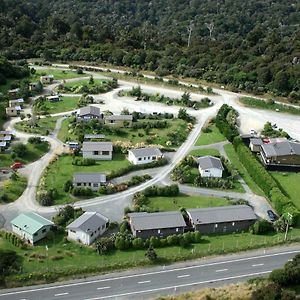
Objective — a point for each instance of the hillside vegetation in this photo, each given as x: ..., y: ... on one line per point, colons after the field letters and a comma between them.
x: 250, y: 45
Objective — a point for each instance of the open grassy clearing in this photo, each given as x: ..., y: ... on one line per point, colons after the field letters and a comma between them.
x: 42, y: 126
x: 242, y: 171
x: 212, y: 137
x: 290, y: 182
x: 11, y: 190
x: 58, y: 74
x: 65, y: 104
x: 186, y: 201
x: 80, y: 260
x: 270, y: 105
x: 62, y: 170
x: 158, y: 136
x: 34, y: 152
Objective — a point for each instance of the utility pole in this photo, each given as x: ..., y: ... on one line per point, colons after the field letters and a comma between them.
x: 190, y: 29
x: 288, y: 218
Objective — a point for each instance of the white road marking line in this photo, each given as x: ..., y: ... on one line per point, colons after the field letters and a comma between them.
x: 257, y: 265
x: 142, y: 282
x: 222, y: 270
x: 103, y: 288
x: 150, y: 273
x: 182, y: 276
x: 61, y: 294
x: 179, y: 286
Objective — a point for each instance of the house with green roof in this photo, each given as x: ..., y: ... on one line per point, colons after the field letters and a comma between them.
x: 31, y: 226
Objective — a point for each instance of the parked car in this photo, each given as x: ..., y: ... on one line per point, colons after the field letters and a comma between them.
x: 16, y: 165
x: 272, y: 216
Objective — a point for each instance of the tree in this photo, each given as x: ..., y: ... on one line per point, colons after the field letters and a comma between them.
x: 91, y: 80
x: 9, y: 262
x: 151, y: 254
x: 19, y: 149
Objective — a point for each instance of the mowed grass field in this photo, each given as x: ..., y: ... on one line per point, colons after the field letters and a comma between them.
x: 186, y: 201
x: 57, y: 73
x: 43, y: 126
x: 62, y: 170
x: 64, y: 105
x: 290, y: 182
x: 207, y: 138
x: 204, y: 152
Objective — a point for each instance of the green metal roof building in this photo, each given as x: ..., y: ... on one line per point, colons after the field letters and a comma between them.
x: 31, y: 226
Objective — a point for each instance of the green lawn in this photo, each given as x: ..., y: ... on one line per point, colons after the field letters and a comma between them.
x: 34, y: 152
x: 204, y: 152
x: 135, y: 136
x: 65, y: 104
x: 233, y: 158
x: 210, y: 137
x: 42, y: 126
x: 80, y: 260
x: 186, y: 201
x: 62, y: 170
x: 11, y: 190
x: 290, y: 182
x: 58, y: 74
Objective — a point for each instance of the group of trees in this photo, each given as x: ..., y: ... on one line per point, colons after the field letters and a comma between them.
x: 252, y: 46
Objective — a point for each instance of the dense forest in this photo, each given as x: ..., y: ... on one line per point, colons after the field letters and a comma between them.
x: 250, y: 45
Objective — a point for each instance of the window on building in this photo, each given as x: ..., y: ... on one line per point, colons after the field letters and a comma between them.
x: 103, y: 226
x: 44, y: 230
x: 105, y: 152
x: 216, y: 225
x: 95, y: 184
x: 153, y: 158
x: 35, y: 234
x: 95, y: 152
x: 177, y: 229
x: 139, y: 158
x: 233, y: 223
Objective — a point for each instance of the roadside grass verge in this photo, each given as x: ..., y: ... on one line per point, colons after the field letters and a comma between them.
x: 62, y: 170
x: 212, y: 136
x: 42, y: 126
x: 289, y: 181
x: 270, y: 105
x: 204, y: 152
x: 58, y: 74
x: 233, y: 158
x: 11, y: 190
x: 186, y: 201
x: 33, y: 153
x: 79, y: 261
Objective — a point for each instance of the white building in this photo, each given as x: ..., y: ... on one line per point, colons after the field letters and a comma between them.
x: 47, y: 79
x: 87, y: 227
x: 97, y: 150
x: 144, y: 155
x: 17, y: 102
x: 31, y: 227
x: 13, y: 111
x: 210, y: 166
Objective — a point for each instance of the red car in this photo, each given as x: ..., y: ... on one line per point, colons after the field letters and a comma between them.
x: 16, y: 165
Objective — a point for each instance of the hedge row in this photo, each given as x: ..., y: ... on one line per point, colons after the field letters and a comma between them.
x: 228, y: 130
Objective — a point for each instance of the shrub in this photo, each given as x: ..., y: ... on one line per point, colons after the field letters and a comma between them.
x: 261, y: 227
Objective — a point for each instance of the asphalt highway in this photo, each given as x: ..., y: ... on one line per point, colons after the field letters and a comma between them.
x: 163, y: 280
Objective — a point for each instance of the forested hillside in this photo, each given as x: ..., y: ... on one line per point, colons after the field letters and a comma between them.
x: 252, y: 45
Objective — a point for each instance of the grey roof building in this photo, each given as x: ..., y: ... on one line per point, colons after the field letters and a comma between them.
x: 90, y: 112
x: 159, y: 224
x: 87, y: 227
x: 91, y: 146
x: 208, y: 162
x: 284, y: 153
x: 146, y: 152
x: 119, y: 117
x: 222, y: 219
x: 144, y: 155
x: 94, y: 136
x: 89, y: 177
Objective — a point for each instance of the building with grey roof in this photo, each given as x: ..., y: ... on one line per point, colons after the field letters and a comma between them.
x: 210, y: 166
x: 119, y: 120
x: 144, y: 155
x: 89, y: 180
x: 97, y: 150
x: 94, y: 136
x: 222, y: 219
x: 89, y: 112
x: 255, y: 144
x: 285, y: 153
x: 160, y: 224
x: 87, y: 227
